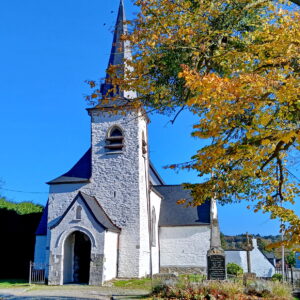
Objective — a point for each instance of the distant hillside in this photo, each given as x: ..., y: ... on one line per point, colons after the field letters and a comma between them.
x: 18, y: 223
x: 22, y: 208
x: 239, y: 241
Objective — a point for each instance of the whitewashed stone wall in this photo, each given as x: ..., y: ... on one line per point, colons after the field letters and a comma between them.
x: 110, y: 255
x: 259, y: 263
x: 123, y: 173
x: 119, y: 183
x: 67, y: 226
x: 40, y: 249
x: 155, y: 203
x: 184, y: 247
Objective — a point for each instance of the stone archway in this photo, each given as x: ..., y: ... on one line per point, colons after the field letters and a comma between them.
x: 77, y: 257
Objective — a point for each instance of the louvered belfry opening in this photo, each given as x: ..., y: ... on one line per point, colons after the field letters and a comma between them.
x: 115, y: 140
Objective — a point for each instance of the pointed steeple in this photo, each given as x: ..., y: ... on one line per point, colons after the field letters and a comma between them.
x: 120, y: 49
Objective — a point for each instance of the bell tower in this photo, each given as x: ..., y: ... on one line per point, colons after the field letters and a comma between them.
x: 120, y: 163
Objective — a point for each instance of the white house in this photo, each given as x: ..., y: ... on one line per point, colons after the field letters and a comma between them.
x: 111, y: 215
x: 260, y: 264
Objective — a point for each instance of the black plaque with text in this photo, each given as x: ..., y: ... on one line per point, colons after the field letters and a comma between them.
x: 216, y: 267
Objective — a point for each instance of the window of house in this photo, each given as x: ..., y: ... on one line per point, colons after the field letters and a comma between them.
x: 78, y: 212
x: 153, y: 228
x: 114, y: 140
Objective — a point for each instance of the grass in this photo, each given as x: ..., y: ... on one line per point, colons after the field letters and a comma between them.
x: 9, y: 283
x: 144, y: 283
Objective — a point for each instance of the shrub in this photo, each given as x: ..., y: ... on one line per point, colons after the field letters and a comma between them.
x: 222, y: 290
x: 277, y: 277
x: 258, y: 289
x: 234, y: 269
x: 281, y: 290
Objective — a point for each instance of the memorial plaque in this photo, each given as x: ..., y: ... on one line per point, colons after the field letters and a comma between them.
x: 216, y: 267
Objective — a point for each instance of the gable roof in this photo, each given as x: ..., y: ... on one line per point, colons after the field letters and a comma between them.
x: 42, y: 227
x: 173, y: 214
x: 96, y: 211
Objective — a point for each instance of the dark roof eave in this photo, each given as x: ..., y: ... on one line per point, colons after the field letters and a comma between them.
x: 60, y: 180
x: 185, y: 225
x: 152, y: 188
x: 156, y: 173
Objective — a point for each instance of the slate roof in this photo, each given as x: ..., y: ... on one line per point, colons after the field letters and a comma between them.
x: 120, y: 52
x: 42, y: 227
x: 95, y: 209
x: 81, y: 172
x: 173, y: 214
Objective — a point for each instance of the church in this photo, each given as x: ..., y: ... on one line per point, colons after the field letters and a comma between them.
x: 112, y: 215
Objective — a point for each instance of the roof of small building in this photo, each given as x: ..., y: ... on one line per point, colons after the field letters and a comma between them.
x: 173, y: 214
x: 269, y: 255
x: 95, y: 209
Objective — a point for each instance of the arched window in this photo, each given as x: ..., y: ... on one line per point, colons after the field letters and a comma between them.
x: 153, y: 228
x: 78, y: 212
x: 144, y: 144
x: 115, y: 140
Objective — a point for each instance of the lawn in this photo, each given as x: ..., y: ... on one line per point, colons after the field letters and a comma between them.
x: 9, y: 283
x: 145, y: 283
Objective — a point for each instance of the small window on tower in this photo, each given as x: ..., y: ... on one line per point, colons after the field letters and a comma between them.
x: 114, y: 140
x: 144, y: 144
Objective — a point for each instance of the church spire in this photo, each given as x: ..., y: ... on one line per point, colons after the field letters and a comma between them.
x: 120, y: 49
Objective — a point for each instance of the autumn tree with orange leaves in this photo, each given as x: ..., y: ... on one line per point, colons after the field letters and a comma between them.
x: 235, y: 64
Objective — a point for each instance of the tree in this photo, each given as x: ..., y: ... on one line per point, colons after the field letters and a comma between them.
x: 291, y: 259
x: 235, y: 64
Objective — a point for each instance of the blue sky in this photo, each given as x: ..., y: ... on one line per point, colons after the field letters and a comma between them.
x: 48, y: 49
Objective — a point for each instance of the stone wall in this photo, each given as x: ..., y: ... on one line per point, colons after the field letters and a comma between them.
x: 155, y: 204
x: 184, y: 247
x: 110, y: 255
x: 119, y: 182
x: 40, y: 249
x: 62, y: 231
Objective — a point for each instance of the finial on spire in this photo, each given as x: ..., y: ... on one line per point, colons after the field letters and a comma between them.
x: 120, y: 50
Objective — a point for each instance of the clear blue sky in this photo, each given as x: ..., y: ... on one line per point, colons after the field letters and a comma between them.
x: 48, y: 49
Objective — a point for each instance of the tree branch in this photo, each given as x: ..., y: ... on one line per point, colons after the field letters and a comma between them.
x: 297, y: 2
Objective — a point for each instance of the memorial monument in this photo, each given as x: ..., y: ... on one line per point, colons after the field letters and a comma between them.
x: 216, y: 266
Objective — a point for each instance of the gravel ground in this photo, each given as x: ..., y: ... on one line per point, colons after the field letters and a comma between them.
x: 70, y: 292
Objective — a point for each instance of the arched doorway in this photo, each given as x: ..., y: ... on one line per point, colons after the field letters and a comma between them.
x: 77, y: 257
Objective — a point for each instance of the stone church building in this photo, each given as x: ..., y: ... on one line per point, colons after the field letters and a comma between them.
x: 112, y: 215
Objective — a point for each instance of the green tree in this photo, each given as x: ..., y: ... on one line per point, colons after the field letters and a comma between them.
x: 291, y: 259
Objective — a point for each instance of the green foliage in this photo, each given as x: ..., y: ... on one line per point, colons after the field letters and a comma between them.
x: 22, y: 208
x: 291, y: 259
x: 8, y: 283
x: 234, y: 269
x: 239, y: 241
x: 277, y: 277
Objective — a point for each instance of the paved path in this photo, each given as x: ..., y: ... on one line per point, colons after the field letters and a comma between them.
x: 69, y: 292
